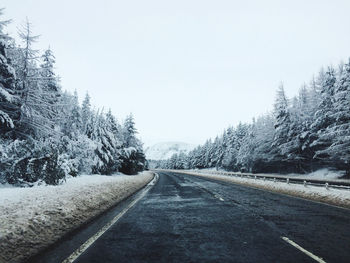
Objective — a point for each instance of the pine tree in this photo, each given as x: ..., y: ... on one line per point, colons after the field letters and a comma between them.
x: 9, y: 101
x: 282, y: 116
x: 129, y: 132
x: 326, y: 109
x: 114, y: 126
x: 216, y: 152
x: 265, y: 155
x: 338, y: 132
x: 32, y: 121
x: 113, y: 134
x: 282, y: 124
x: 50, y: 89
x: 86, y: 113
x: 324, y: 116
x: 221, y: 150
x: 133, y: 158
x: 108, y: 147
x: 229, y: 156
x: 71, y: 122
x: 295, y: 150
x: 246, y: 150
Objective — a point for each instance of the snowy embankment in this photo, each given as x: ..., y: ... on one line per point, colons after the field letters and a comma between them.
x: 321, y: 174
x: 33, y: 218
x: 321, y: 194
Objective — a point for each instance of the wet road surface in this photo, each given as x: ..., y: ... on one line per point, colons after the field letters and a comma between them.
x: 184, y: 218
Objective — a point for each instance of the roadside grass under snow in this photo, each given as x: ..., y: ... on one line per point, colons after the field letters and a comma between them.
x: 34, y: 217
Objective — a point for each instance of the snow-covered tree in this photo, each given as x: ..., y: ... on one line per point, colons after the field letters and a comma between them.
x: 304, y: 133
x: 45, y: 134
x: 33, y: 123
x: 337, y: 132
x: 324, y: 116
x: 9, y: 101
x: 71, y: 122
x: 133, y: 158
x: 282, y: 116
x: 49, y: 88
x: 86, y: 113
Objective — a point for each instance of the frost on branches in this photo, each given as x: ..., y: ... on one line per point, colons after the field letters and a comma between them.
x: 45, y: 134
x: 302, y: 134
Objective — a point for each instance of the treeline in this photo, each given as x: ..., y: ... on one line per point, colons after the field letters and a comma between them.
x: 302, y: 134
x: 45, y: 134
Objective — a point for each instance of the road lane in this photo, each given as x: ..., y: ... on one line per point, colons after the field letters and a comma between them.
x: 189, y: 219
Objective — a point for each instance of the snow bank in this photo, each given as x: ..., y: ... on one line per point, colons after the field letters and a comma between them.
x: 322, y: 174
x: 321, y: 194
x: 33, y: 218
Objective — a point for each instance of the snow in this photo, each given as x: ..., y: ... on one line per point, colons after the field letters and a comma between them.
x: 129, y: 151
x: 5, y: 119
x: 322, y: 174
x: 338, y: 197
x: 164, y: 150
x: 6, y: 185
x: 32, y: 218
x: 4, y: 95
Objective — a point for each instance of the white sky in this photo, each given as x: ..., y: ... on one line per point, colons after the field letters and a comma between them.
x: 186, y: 69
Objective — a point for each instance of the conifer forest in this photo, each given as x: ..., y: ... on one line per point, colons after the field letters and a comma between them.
x: 45, y: 133
x: 302, y: 134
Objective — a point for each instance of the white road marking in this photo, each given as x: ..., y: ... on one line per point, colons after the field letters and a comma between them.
x: 219, y: 197
x: 291, y: 242
x: 92, y: 239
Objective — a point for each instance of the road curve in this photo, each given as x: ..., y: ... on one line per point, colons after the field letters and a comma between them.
x: 184, y: 218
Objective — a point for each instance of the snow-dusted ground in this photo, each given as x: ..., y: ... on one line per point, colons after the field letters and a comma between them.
x: 321, y: 174
x: 331, y: 196
x: 32, y: 218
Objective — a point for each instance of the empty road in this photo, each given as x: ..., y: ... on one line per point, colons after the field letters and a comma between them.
x: 184, y: 218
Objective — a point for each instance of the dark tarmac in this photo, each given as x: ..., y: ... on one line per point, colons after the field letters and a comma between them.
x: 184, y: 218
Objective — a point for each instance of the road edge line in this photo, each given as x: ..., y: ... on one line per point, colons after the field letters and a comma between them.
x: 97, y: 235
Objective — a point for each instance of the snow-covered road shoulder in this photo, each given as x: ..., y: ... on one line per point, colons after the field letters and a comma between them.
x: 320, y: 194
x: 33, y: 218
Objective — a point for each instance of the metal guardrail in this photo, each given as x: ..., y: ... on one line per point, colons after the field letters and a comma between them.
x: 283, y: 179
x: 289, y: 180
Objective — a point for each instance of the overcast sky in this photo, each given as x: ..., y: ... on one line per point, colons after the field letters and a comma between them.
x: 186, y: 69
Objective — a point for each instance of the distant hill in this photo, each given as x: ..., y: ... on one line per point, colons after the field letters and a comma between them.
x: 164, y: 150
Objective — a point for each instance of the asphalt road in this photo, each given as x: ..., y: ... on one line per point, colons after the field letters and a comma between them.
x: 185, y: 218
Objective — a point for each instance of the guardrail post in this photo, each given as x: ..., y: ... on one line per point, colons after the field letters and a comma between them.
x: 327, y: 185
x: 274, y: 180
x: 305, y: 183
x: 287, y: 180
x: 255, y: 177
x: 264, y: 178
